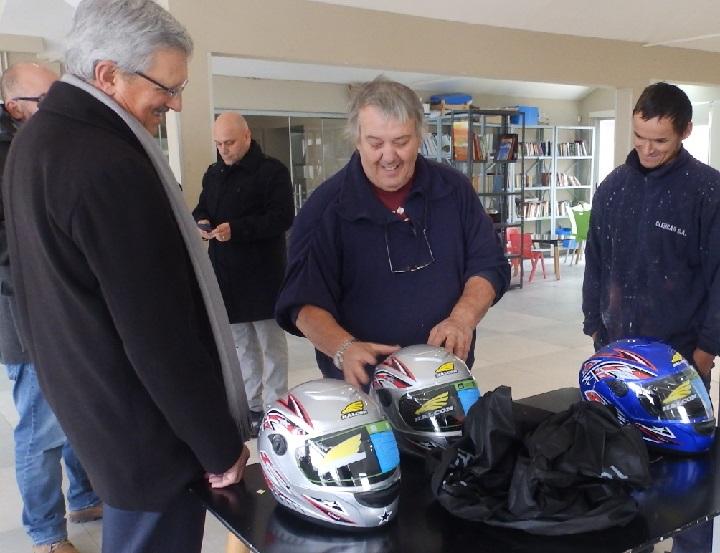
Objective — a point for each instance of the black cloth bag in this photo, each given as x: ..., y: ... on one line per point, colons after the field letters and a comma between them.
x: 521, y: 467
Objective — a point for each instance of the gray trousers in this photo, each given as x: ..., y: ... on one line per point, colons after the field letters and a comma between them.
x: 262, y: 351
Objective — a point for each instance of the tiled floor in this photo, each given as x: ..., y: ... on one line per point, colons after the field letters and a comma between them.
x: 531, y: 341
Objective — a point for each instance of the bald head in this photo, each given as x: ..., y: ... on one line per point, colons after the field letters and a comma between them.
x: 25, y: 80
x: 232, y: 137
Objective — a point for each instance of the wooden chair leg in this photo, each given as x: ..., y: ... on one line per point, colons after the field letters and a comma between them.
x: 234, y: 545
x: 579, y: 255
x: 542, y: 265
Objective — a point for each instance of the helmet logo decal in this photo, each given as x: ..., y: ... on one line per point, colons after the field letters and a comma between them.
x: 434, y: 406
x: 679, y: 393
x: 385, y: 516
x: 296, y: 407
x: 677, y: 358
x: 353, y: 409
x: 446, y: 368
x: 344, y: 453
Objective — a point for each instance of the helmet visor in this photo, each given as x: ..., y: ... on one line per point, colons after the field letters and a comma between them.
x: 440, y: 408
x: 359, y: 456
x: 678, y: 397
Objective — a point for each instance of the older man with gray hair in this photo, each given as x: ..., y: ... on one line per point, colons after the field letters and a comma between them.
x: 116, y: 297
x: 391, y: 251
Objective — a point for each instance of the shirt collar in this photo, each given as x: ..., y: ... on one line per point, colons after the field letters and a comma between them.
x: 357, y: 200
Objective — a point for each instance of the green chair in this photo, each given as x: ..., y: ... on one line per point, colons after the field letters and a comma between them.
x: 580, y: 223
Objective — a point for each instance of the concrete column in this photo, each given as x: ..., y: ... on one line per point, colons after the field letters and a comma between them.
x: 190, y: 132
x: 624, y: 103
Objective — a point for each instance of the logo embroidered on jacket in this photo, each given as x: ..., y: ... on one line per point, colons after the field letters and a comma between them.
x: 670, y: 227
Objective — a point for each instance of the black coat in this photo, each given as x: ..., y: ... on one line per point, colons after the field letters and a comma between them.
x: 11, y: 347
x: 255, y: 196
x: 110, y: 307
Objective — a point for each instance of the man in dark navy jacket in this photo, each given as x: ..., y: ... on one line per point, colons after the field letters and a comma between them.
x: 391, y: 251
x: 653, y: 261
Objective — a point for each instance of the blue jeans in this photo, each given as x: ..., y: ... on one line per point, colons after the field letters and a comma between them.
x: 39, y: 445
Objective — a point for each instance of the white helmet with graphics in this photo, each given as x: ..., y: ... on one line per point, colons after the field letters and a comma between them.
x: 425, y: 393
x: 328, y: 454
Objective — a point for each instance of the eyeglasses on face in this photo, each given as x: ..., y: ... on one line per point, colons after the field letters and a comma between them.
x: 37, y: 99
x: 170, y: 91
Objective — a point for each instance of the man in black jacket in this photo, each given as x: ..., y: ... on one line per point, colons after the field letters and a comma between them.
x: 653, y: 262
x: 245, y: 207
x: 113, y: 289
x: 40, y: 442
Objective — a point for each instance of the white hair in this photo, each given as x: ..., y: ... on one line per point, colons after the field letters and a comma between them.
x: 127, y: 32
x: 393, y: 99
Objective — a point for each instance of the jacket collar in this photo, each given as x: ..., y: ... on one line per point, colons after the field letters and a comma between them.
x: 357, y: 200
x: 70, y: 101
x: 682, y: 158
x: 7, y: 125
x: 249, y: 163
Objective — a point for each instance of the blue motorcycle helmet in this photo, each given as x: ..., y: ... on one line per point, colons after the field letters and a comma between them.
x: 650, y: 385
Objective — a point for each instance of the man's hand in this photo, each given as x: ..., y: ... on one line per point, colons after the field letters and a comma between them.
x: 359, y: 354
x: 233, y: 475
x: 455, y: 332
x: 221, y: 232
x: 455, y: 336
x: 205, y: 229
x: 704, y: 362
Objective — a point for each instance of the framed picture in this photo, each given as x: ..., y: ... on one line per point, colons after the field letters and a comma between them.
x: 507, y: 147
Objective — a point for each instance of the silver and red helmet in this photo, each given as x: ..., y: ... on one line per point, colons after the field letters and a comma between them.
x: 425, y: 393
x: 328, y: 454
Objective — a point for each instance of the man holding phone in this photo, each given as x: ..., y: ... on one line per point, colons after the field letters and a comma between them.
x: 245, y: 208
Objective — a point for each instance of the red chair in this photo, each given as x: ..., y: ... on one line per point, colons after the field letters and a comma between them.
x: 527, y: 253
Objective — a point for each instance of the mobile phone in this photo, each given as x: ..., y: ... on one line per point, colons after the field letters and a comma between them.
x: 207, y: 227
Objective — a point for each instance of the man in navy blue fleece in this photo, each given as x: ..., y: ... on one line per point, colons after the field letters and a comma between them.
x: 391, y: 251
x: 653, y: 255
x: 653, y: 261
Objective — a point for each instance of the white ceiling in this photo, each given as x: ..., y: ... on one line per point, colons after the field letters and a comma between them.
x: 646, y: 21
x: 683, y: 23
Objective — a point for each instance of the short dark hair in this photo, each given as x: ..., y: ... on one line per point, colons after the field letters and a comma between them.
x: 665, y: 100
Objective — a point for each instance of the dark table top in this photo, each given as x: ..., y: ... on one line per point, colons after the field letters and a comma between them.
x: 684, y: 493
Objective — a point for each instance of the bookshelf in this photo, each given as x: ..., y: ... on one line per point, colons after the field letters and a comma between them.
x: 559, y: 165
x: 484, y: 146
x: 574, y: 170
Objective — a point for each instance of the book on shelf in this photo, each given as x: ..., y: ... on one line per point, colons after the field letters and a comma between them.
x: 507, y: 147
x: 535, y: 208
x: 572, y: 149
x: 533, y: 180
x: 563, y: 179
x: 460, y: 135
x: 537, y: 149
x: 562, y: 208
x: 429, y: 146
x: 460, y: 140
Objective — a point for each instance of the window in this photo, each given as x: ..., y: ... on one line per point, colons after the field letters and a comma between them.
x: 606, y: 148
